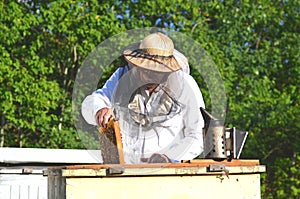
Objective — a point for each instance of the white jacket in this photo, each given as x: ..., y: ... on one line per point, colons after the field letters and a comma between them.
x: 179, y: 136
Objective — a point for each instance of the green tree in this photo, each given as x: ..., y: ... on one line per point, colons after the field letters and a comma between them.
x: 27, y: 95
x: 43, y: 43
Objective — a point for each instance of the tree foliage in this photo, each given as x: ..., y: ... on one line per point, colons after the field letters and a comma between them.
x: 254, y: 44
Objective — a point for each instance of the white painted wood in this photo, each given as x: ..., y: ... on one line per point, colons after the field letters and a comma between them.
x: 140, y: 181
x: 163, y: 171
x: 34, y: 155
x: 28, y: 182
x: 16, y: 186
x: 166, y: 187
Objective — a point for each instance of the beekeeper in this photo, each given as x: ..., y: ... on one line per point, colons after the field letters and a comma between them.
x: 156, y: 102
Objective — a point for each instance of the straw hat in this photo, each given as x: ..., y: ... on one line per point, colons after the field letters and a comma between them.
x: 155, y: 52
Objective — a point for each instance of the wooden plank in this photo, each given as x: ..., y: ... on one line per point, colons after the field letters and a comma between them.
x: 119, y: 142
x: 166, y: 171
x: 234, y: 162
x: 56, y: 185
x: 193, y: 163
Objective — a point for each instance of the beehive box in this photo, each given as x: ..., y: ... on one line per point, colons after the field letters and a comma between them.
x: 196, y: 179
x: 22, y: 169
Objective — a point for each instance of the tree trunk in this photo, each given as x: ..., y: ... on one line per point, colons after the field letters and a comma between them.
x: 2, y: 138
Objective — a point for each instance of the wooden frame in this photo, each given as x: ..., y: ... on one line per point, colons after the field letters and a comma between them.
x: 111, y: 143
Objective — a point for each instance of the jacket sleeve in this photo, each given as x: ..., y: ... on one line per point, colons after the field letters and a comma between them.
x: 101, y: 98
x: 189, y: 144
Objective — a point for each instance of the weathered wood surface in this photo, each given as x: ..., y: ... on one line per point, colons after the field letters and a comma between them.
x: 192, y: 163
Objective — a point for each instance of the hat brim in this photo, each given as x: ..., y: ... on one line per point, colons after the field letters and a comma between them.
x: 139, y: 58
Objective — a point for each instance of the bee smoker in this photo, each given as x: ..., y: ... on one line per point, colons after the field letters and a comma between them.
x: 221, y: 142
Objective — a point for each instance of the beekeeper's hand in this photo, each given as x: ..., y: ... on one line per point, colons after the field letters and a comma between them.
x: 103, y: 116
x: 157, y: 158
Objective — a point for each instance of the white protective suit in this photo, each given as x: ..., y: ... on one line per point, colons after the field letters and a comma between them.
x: 167, y: 122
